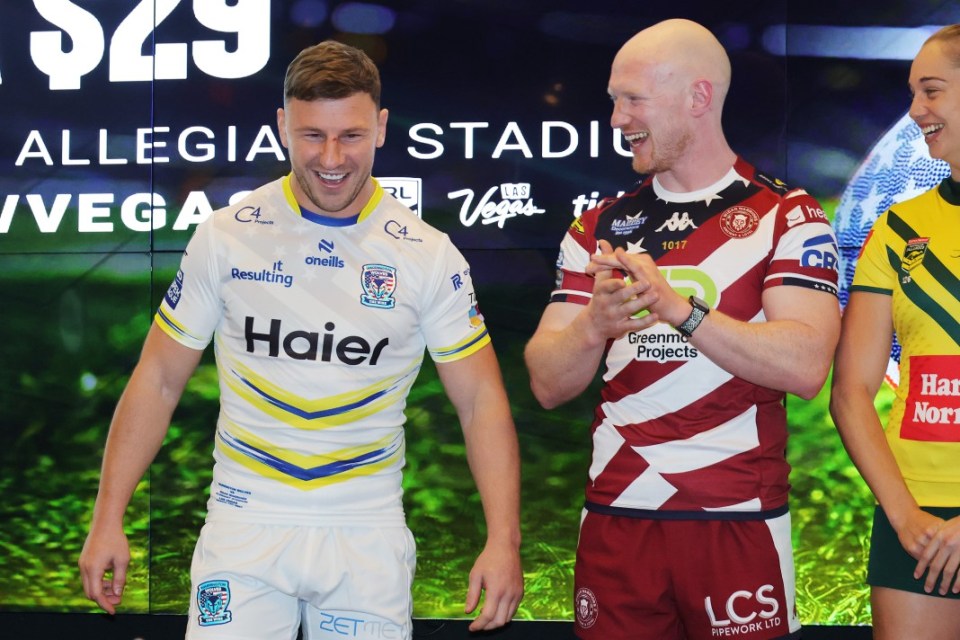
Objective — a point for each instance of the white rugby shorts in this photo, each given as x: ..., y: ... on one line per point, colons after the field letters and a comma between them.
x: 256, y: 581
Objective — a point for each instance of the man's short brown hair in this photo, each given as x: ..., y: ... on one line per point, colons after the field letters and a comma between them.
x: 331, y: 70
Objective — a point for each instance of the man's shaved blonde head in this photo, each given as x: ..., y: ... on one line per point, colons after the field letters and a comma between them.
x: 668, y: 84
x: 683, y: 52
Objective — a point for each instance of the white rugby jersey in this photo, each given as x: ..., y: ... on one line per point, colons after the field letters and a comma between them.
x: 675, y: 435
x: 319, y: 333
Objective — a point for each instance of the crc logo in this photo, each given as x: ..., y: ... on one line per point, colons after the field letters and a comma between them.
x: 821, y: 252
x: 743, y: 607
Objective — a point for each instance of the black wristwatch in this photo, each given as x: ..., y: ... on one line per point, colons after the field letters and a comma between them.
x: 700, y: 311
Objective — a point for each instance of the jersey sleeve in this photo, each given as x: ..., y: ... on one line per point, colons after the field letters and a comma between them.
x: 805, y: 252
x: 452, y: 325
x: 191, y: 309
x: 573, y: 284
x: 874, y: 272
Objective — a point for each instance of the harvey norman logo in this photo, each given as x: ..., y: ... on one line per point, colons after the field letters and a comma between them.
x: 932, y: 410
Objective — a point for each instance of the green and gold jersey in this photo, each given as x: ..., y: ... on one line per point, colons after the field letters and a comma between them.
x: 913, y: 255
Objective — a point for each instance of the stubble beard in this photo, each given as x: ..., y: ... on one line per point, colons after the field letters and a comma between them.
x: 664, y: 156
x: 329, y: 207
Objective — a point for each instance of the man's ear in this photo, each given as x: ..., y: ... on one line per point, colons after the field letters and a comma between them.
x: 382, y: 127
x: 281, y: 127
x: 702, y: 95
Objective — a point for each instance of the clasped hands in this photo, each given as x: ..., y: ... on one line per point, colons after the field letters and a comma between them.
x: 618, y: 304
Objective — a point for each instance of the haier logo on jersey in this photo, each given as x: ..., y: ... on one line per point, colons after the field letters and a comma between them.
x: 821, y: 252
x: 744, y: 612
x: 311, y: 345
x: 329, y: 260
x: 678, y: 222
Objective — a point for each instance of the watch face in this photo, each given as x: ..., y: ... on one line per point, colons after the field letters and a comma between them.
x: 700, y: 304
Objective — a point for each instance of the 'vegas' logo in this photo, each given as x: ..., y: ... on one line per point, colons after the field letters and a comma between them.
x: 516, y: 200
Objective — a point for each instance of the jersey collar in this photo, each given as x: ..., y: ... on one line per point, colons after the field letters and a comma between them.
x: 322, y: 219
x: 949, y: 190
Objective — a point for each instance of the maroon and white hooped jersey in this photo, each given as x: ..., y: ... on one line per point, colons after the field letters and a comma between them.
x: 675, y: 435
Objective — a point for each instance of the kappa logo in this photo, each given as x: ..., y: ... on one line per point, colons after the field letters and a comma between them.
x: 678, y: 222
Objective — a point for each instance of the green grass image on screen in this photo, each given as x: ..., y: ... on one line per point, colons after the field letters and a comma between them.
x: 58, y: 409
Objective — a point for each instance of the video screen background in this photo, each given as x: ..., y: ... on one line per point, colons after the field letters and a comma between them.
x: 484, y: 97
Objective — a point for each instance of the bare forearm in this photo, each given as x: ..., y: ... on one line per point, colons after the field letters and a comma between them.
x: 136, y: 434
x: 140, y: 422
x: 563, y: 362
x: 863, y: 438
x: 494, y: 459
x: 786, y: 355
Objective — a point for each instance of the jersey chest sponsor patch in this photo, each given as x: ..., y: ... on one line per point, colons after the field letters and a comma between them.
x: 932, y: 411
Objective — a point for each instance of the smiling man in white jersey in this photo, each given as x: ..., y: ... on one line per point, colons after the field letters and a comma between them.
x: 707, y: 291
x: 320, y: 292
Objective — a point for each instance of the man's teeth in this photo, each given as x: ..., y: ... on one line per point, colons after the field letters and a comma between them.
x: 635, y: 137
x: 332, y: 177
x: 931, y: 129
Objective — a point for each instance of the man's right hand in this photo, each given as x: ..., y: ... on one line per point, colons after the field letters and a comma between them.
x: 103, y: 568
